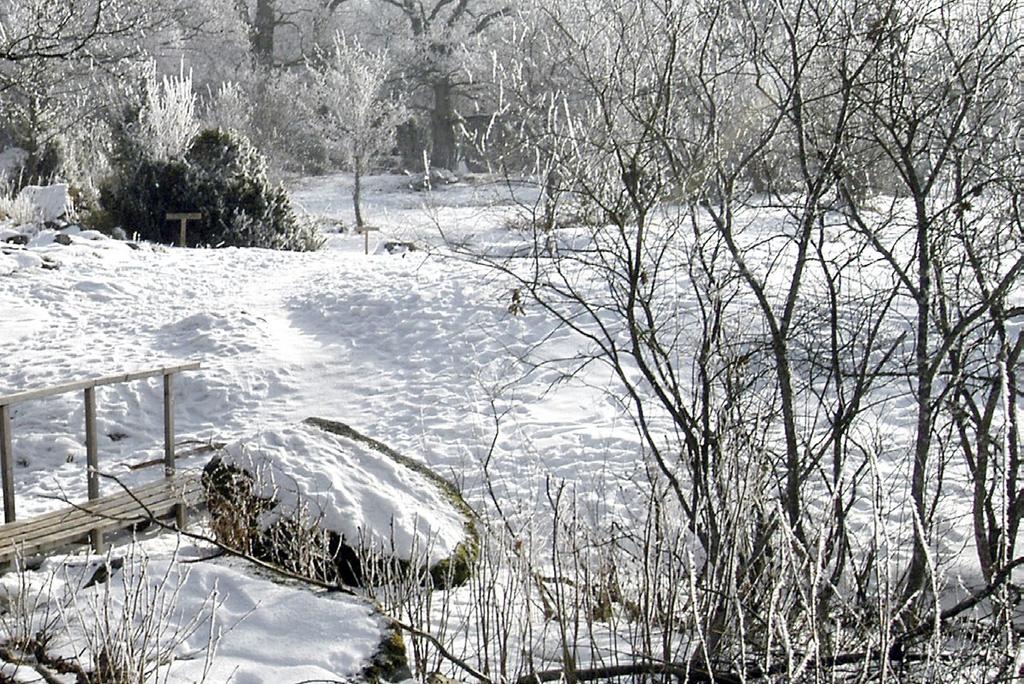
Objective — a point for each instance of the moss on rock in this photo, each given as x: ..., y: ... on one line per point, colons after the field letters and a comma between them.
x: 390, y: 663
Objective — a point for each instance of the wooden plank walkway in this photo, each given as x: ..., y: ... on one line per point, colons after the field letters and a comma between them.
x: 123, y: 510
x: 101, y: 513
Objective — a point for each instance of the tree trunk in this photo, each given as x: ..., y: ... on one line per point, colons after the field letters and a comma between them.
x: 357, y: 194
x: 262, y: 33
x: 442, y: 131
x: 917, y: 574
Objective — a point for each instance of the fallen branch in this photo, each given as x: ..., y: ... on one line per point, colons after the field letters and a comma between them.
x: 202, y: 448
x: 458, y: 662
x: 685, y: 672
x: 963, y: 606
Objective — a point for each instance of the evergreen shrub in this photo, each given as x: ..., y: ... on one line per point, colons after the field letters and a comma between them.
x: 221, y: 175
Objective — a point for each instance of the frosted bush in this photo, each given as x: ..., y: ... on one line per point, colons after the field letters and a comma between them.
x: 230, y: 109
x: 168, y: 117
x: 222, y: 175
x: 19, y: 210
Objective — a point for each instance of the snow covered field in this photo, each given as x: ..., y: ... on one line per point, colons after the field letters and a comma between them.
x: 408, y: 348
x: 413, y: 348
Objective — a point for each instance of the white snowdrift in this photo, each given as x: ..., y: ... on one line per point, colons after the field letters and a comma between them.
x: 369, y: 499
x: 259, y: 630
x: 8, y: 264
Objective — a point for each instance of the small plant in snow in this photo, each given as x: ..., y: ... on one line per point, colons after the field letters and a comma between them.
x: 129, y: 628
x: 18, y: 209
x: 31, y: 617
x: 246, y: 518
x: 115, y: 621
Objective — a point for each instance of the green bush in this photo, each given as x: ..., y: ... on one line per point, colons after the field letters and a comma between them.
x: 222, y: 176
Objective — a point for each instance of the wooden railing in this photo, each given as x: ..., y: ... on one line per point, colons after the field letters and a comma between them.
x: 91, y: 439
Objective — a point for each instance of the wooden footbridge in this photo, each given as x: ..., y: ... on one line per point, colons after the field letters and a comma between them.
x: 89, y: 520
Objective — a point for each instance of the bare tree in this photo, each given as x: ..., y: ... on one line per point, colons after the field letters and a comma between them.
x: 55, y: 59
x: 284, y: 32
x: 936, y: 104
x: 439, y: 35
x: 744, y: 269
x: 358, y: 113
x: 51, y: 30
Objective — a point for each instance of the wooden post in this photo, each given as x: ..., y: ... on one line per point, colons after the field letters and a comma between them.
x: 366, y: 230
x: 179, y: 509
x: 169, y: 425
x: 92, y: 459
x: 184, y: 218
x: 7, y: 462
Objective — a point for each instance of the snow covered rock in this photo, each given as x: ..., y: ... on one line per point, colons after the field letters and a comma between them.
x: 52, y: 201
x: 399, y: 247
x: 8, y: 265
x: 17, y: 258
x: 321, y: 497
x: 26, y: 259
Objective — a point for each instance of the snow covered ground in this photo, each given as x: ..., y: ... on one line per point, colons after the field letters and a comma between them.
x: 219, y: 620
x: 408, y: 348
x: 413, y: 348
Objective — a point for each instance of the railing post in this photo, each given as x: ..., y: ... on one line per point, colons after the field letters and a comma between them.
x: 168, y: 425
x: 7, y: 462
x: 92, y: 459
x: 179, y: 510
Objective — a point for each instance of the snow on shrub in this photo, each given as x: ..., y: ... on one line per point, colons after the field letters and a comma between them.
x: 19, y: 210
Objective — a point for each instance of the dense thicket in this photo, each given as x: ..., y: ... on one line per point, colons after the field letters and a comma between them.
x: 792, y: 232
